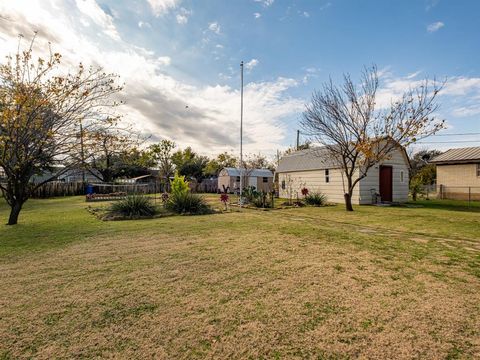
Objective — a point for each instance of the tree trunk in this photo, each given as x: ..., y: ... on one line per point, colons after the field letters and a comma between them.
x: 14, y: 212
x: 348, y: 202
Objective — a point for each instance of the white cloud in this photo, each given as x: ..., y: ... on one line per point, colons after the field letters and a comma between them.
x: 306, y: 14
x: 160, y: 7
x: 461, y: 85
x: 466, y: 111
x: 251, y: 64
x: 431, y: 4
x: 435, y: 26
x: 257, y: 15
x: 215, y: 27
x: 459, y: 98
x: 142, y: 25
x: 265, y: 3
x: 326, y: 6
x: 95, y: 13
x: 164, y: 60
x: 219, y: 46
x: 183, y: 15
x: 155, y: 100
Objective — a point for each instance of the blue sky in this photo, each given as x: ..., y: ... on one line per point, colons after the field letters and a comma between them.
x: 174, y: 53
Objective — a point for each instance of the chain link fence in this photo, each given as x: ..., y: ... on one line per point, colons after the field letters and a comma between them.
x: 465, y: 193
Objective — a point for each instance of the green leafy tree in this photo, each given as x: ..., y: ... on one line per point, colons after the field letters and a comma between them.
x: 190, y: 164
x: 222, y: 160
x: 421, y: 169
x: 109, y: 151
x: 162, y: 155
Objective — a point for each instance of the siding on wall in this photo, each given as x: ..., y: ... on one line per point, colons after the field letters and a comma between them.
x: 261, y: 186
x: 458, y: 177
x: 399, y: 188
x: 314, y: 181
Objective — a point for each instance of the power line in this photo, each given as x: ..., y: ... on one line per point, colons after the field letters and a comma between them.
x: 463, y: 134
x: 448, y: 142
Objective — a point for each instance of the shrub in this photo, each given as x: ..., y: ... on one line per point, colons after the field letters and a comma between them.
x: 188, y: 204
x: 261, y: 200
x: 179, y: 185
x: 316, y: 199
x: 416, y: 188
x: 134, y: 206
x: 250, y: 193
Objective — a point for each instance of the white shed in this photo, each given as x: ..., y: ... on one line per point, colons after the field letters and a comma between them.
x: 260, y: 179
x: 317, y: 171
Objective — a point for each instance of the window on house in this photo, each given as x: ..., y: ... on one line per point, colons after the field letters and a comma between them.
x: 401, y: 176
x: 238, y: 178
x: 265, y: 179
x: 327, y: 175
x: 283, y: 184
x: 478, y: 169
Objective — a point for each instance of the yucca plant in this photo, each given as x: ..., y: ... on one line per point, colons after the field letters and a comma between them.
x: 316, y: 199
x: 188, y: 204
x: 134, y: 206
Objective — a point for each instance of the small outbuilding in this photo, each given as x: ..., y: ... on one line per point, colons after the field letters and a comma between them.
x: 317, y: 171
x: 260, y: 179
x: 458, y: 173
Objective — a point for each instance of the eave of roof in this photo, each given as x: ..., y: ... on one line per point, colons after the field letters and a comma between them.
x: 458, y: 156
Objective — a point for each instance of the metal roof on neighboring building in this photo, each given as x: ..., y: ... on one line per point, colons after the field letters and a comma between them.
x: 309, y: 159
x: 461, y: 155
x: 254, y: 172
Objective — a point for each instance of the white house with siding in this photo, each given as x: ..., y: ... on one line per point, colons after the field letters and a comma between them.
x: 317, y: 171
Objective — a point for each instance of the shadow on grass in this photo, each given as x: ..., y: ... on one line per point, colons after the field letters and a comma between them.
x: 450, y: 205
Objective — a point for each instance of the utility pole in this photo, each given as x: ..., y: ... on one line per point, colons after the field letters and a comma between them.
x: 298, y: 139
x: 241, y: 134
x: 82, y: 153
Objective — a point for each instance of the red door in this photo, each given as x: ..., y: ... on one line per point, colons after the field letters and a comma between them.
x: 386, y: 183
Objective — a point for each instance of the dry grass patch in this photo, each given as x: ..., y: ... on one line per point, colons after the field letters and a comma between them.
x: 241, y: 285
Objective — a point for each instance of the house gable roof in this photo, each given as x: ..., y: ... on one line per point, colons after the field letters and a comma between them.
x: 317, y: 158
x: 255, y: 172
x: 458, y: 156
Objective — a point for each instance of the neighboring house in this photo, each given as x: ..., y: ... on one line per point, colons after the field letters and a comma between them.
x: 458, y: 173
x: 317, y: 171
x: 229, y: 179
x: 69, y: 176
x: 143, y: 179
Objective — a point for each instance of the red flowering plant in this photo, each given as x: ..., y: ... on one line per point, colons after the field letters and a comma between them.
x: 304, y: 191
x: 224, y: 199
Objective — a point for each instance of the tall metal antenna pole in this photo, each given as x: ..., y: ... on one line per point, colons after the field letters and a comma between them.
x: 82, y: 154
x: 241, y: 134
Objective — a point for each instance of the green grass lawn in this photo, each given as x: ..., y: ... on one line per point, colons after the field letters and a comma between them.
x: 381, y: 282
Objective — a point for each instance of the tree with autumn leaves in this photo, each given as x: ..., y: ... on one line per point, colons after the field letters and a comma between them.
x: 42, y: 109
x: 358, y: 134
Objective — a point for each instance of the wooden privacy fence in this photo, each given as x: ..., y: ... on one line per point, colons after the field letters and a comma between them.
x: 59, y: 188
